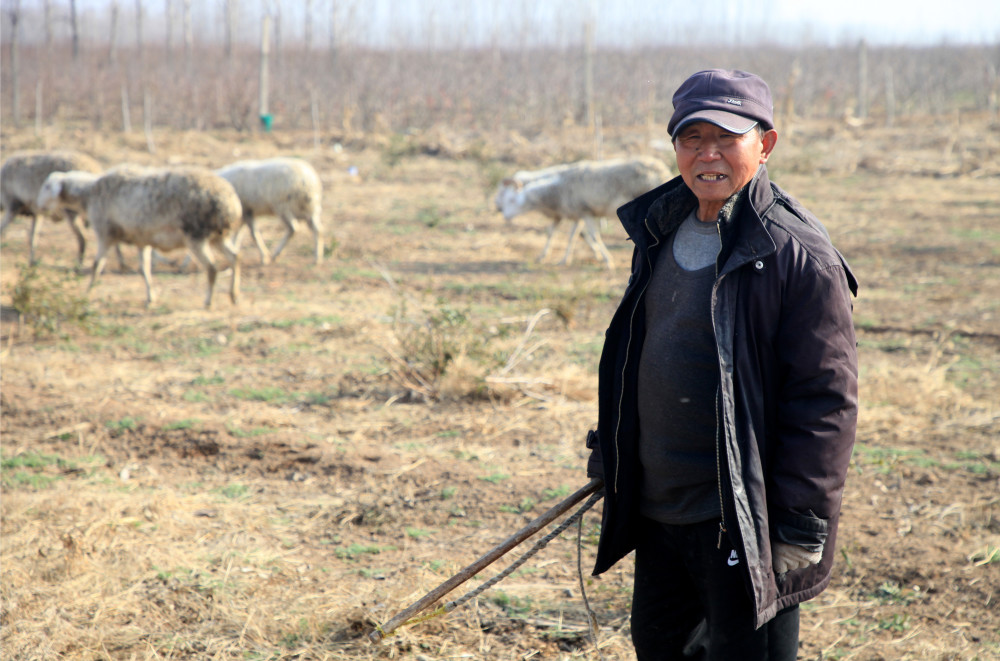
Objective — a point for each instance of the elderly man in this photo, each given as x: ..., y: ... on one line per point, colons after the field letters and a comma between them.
x: 728, y: 392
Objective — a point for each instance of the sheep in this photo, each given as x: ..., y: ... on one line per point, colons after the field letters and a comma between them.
x: 165, y: 209
x: 65, y: 192
x: 583, y: 192
x: 285, y: 187
x: 21, y: 177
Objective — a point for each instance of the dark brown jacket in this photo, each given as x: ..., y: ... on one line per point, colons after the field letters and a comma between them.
x: 788, y: 402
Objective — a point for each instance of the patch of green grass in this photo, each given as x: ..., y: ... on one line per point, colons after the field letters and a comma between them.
x: 898, y: 623
x: 354, y: 551
x: 512, y: 606
x: 49, y: 302
x: 29, y: 460
x: 213, y: 380
x: 249, y: 433
x: 268, y: 394
x: 525, y: 506
x: 311, y: 321
x: 29, y: 480
x: 495, y: 478
x: 187, y: 423
x: 448, y: 493
x: 234, y: 491
x: 417, y: 533
x: 119, y: 427
x: 559, y: 492
x: 194, y: 396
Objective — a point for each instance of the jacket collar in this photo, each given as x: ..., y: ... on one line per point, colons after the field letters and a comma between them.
x: 744, y: 236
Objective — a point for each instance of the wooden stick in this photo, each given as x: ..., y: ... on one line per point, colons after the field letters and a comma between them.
x: 491, y: 556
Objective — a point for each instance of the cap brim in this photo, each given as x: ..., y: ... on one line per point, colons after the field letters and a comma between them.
x: 726, y: 120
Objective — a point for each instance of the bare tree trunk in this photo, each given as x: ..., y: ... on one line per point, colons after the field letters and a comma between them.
x: 890, y: 98
x: 47, y: 12
x: 168, y: 16
x: 74, y: 29
x: 113, y: 36
x: 15, y: 18
x: 265, y: 51
x: 309, y: 26
x: 789, y: 105
x: 188, y: 36
x: 232, y: 7
x: 314, y: 107
x: 38, y: 107
x: 588, y: 71
x: 126, y: 115
x: 863, y: 80
x: 993, y: 96
x: 333, y: 31
x: 277, y: 34
x: 138, y: 33
x: 147, y: 120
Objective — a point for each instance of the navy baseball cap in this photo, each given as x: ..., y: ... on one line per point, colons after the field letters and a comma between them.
x: 731, y: 99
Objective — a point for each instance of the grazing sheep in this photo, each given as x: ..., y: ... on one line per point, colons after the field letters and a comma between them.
x: 66, y: 192
x: 285, y: 187
x: 21, y: 177
x: 582, y: 192
x: 165, y: 209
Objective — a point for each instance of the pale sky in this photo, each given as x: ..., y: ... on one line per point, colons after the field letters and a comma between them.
x: 618, y: 23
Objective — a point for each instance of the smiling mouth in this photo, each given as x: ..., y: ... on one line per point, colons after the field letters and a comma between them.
x: 711, y: 177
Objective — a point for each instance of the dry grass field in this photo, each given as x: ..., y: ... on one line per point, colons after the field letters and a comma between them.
x: 271, y: 480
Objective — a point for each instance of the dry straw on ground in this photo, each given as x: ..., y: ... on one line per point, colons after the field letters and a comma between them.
x: 269, y: 481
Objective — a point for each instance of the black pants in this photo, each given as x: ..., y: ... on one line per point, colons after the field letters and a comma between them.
x: 691, y: 601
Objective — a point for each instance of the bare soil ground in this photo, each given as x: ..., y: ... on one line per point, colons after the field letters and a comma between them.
x: 271, y: 480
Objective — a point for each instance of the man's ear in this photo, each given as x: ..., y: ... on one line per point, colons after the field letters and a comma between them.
x: 768, y: 141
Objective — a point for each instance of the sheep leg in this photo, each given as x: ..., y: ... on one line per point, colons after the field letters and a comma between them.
x: 548, y: 240
x: 289, y: 231
x: 249, y: 222
x: 147, y: 273
x: 317, y: 230
x: 232, y: 253
x: 33, y: 231
x: 99, y: 261
x: 8, y: 218
x: 122, y: 266
x: 76, y: 225
x: 203, y: 254
x: 574, y: 231
x: 592, y: 234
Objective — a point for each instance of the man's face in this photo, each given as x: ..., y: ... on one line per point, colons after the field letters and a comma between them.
x: 715, y: 163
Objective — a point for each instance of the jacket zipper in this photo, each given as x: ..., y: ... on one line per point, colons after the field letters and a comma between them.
x: 718, y: 426
x: 628, y: 349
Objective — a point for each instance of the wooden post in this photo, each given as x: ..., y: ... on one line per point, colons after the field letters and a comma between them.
x: 188, y: 35
x: 38, y: 107
x: 265, y: 50
x: 74, y: 27
x: 588, y: 70
x: 890, y: 98
x: 147, y: 120
x: 15, y: 99
x: 863, y: 80
x: 126, y: 116
x: 113, y: 35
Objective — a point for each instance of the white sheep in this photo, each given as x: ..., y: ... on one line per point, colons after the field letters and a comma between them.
x: 166, y: 209
x: 66, y: 193
x: 582, y: 192
x: 288, y: 188
x: 21, y: 177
